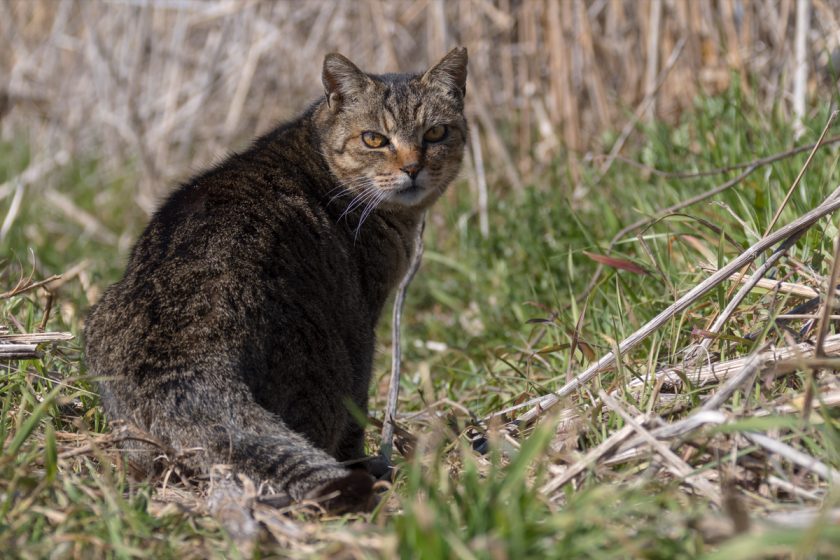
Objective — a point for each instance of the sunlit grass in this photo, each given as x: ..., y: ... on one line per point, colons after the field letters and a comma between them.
x: 488, y: 322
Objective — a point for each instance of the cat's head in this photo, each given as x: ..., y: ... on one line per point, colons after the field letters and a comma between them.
x: 394, y: 140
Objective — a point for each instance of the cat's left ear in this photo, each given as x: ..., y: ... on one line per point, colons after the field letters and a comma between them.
x: 451, y: 71
x: 342, y: 79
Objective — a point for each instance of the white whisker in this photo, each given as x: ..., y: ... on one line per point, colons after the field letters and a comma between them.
x: 366, y: 194
x: 378, y: 198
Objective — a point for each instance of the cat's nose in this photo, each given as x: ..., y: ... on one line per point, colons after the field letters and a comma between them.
x: 411, y: 169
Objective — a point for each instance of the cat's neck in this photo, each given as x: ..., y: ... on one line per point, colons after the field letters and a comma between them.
x: 383, y: 243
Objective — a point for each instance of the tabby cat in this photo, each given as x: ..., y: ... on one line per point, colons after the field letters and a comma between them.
x: 243, y: 329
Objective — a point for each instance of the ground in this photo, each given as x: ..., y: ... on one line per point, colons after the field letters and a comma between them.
x: 489, y: 322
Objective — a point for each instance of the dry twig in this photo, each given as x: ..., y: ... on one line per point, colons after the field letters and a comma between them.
x: 17, y: 290
x: 386, y: 445
x: 674, y: 464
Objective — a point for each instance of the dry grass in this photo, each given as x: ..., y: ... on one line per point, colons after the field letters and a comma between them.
x: 170, y: 85
x: 645, y: 447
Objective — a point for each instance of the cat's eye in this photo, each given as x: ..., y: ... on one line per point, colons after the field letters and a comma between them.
x: 374, y: 139
x: 436, y: 133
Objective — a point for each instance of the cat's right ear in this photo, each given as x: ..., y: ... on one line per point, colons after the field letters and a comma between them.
x: 342, y: 80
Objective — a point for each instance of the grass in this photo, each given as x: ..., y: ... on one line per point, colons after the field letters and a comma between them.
x: 488, y: 322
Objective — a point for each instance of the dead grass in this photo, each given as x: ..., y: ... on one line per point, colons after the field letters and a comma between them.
x: 651, y: 448
x: 169, y: 85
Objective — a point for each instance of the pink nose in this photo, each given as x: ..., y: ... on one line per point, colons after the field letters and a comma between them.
x: 412, y: 169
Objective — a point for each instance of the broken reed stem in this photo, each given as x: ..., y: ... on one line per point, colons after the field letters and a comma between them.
x: 18, y: 351
x: 822, y: 329
x: 673, y: 463
x: 540, y: 404
x: 386, y: 445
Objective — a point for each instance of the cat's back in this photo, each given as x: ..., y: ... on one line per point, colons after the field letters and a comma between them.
x: 256, y: 197
x: 246, y: 236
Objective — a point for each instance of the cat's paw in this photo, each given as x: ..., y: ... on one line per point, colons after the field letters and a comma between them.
x: 379, y: 468
x: 351, y: 493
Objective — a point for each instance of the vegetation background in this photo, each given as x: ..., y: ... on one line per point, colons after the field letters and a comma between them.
x: 586, y: 116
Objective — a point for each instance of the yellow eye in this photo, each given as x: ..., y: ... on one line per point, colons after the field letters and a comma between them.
x: 374, y: 139
x: 436, y: 133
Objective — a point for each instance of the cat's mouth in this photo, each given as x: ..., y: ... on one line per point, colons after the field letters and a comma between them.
x: 409, y: 195
x: 410, y: 191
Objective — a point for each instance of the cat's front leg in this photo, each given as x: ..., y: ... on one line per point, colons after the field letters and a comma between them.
x: 351, y: 452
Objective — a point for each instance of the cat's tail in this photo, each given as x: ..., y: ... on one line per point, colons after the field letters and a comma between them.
x: 253, y: 442
x: 291, y: 463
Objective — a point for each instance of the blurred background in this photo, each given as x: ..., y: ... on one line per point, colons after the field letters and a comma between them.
x: 161, y: 88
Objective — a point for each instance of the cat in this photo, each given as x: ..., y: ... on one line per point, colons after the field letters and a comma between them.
x: 242, y: 331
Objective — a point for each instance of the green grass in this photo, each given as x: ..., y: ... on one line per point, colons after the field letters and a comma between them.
x: 488, y: 322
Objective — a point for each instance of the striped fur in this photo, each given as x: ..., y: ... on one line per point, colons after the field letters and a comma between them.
x: 243, y: 329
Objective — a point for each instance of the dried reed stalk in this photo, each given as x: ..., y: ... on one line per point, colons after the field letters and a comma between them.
x: 25, y: 346
x: 166, y: 86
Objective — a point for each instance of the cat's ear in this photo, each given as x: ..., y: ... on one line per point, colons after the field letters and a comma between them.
x: 451, y: 71
x: 342, y: 79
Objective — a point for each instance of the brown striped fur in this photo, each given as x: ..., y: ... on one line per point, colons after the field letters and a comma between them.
x: 244, y: 324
